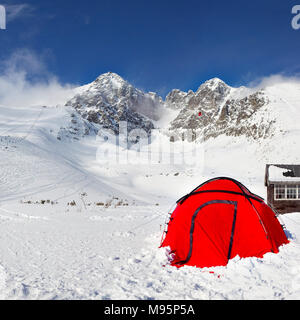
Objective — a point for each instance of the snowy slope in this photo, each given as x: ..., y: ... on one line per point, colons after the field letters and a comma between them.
x: 74, y: 226
x: 38, y: 159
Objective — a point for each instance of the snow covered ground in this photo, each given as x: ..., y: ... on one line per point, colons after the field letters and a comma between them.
x: 73, y: 228
x: 59, y: 252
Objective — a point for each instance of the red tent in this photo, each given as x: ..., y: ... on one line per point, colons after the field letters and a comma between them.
x: 219, y: 220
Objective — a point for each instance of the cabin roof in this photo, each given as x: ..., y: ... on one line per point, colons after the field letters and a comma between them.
x: 287, y: 173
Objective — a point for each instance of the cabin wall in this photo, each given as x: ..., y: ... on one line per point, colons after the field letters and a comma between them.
x: 281, y: 206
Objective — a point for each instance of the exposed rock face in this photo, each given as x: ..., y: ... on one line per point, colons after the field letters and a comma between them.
x: 238, y: 117
x: 177, y: 99
x: 76, y: 127
x: 110, y: 99
x: 214, y: 110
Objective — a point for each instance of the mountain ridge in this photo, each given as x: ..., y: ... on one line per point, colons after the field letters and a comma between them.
x: 214, y: 109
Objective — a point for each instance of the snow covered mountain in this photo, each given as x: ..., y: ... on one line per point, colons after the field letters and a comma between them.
x: 110, y: 99
x: 216, y: 109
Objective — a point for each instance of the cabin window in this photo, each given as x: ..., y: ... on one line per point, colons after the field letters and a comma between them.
x: 291, y: 192
x: 287, y: 192
x: 280, y: 192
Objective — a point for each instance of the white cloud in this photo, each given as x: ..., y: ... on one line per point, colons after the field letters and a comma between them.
x: 25, y: 80
x: 15, y: 11
x: 271, y: 80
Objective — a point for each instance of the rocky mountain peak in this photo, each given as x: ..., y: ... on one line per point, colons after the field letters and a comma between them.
x: 213, y: 89
x: 110, y: 80
x: 111, y: 99
x: 176, y: 99
x: 214, y: 83
x: 216, y: 108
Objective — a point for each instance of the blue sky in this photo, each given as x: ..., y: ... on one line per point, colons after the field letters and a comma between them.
x: 156, y: 45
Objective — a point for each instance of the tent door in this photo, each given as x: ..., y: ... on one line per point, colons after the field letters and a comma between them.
x: 212, y: 231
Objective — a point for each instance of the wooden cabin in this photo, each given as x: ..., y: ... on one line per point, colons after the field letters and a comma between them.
x: 283, y: 187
